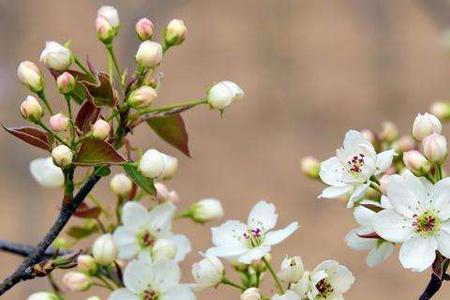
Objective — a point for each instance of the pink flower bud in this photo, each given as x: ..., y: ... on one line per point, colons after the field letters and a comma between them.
x: 389, y: 132
x: 173, y: 197
x: 435, y: 147
x: 142, y: 97
x: 149, y: 54
x: 404, y: 144
x: 441, y: 110
x: 30, y: 75
x: 59, y: 122
x: 424, y: 125
x: 65, y: 83
x: 101, y: 129
x: 87, y: 264
x: 416, y: 162
x: 31, y: 109
x: 62, y: 156
x: 105, y: 32
x: 144, y: 29
x: 369, y: 135
x: 77, y: 281
x: 175, y: 33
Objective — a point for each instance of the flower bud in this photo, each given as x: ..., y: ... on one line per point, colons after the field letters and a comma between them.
x: 424, y: 125
x: 142, y: 97
x: 101, y: 129
x: 30, y: 75
x: 94, y: 298
x: 208, y: 272
x: 251, y: 294
x: 175, y: 33
x: 404, y: 144
x: 77, y: 281
x: 441, y: 110
x: 105, y: 32
x: 389, y: 131
x: 223, y: 94
x: 173, y: 197
x: 121, y: 185
x: 383, y: 183
x: 162, y: 192
x: 416, y: 162
x: 56, y: 56
x: 369, y: 135
x: 435, y: 147
x: 87, y: 264
x: 291, y: 270
x: 110, y: 14
x: 310, y: 167
x: 149, y: 54
x: 104, y: 250
x: 46, y: 173
x: 31, y: 109
x: 164, y: 249
x: 144, y: 29
x: 155, y: 164
x: 206, y: 210
x: 171, y: 167
x: 43, y: 296
x: 59, y: 122
x: 66, y: 83
x: 62, y: 156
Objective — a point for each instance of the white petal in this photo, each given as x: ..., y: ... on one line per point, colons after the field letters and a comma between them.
x: 440, y: 195
x: 335, y: 191
x: 160, y: 218
x: 263, y: 216
x: 379, y: 253
x: 405, y: 192
x: 354, y: 140
x: 179, y: 292
x: 229, y: 233
x: 126, y: 242
x: 343, y: 279
x: 363, y: 215
x: 289, y: 295
x: 277, y: 236
x: 418, y: 253
x: 384, y: 161
x: 444, y: 239
x: 123, y: 294
x: 138, y: 276
x: 134, y: 214
x: 392, y: 227
x: 254, y: 254
x: 167, y: 274
x: 385, y: 203
x: 227, y: 251
x: 358, y: 194
x: 332, y: 172
x: 46, y: 173
x: 356, y: 242
x: 183, y: 246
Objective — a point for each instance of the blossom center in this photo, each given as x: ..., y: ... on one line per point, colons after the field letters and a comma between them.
x: 324, y: 288
x: 427, y: 223
x: 356, y: 163
x: 150, y: 294
x: 146, y: 239
x: 254, y: 237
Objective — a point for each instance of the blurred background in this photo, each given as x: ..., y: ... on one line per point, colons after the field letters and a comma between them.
x: 311, y: 70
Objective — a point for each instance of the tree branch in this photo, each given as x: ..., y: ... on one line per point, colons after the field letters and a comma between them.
x: 25, y: 250
x: 432, y: 288
x: 38, y: 253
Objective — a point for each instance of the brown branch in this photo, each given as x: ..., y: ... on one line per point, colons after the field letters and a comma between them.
x: 25, y: 250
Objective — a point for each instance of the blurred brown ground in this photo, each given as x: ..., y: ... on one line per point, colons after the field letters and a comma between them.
x: 311, y: 69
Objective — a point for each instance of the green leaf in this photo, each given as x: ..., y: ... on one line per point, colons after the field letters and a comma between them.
x: 80, y: 232
x: 172, y: 130
x: 102, y: 171
x: 94, y: 152
x: 145, y: 183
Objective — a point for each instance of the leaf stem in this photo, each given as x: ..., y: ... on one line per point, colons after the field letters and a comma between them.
x: 274, y: 275
x: 41, y: 95
x: 84, y: 69
x: 113, y: 61
x: 172, y: 106
x: 39, y: 122
x: 227, y: 281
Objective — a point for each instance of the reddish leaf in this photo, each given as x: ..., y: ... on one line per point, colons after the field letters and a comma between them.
x: 100, y: 93
x: 95, y: 152
x: 85, y: 211
x: 79, y: 94
x: 31, y: 136
x: 173, y: 130
x: 87, y: 115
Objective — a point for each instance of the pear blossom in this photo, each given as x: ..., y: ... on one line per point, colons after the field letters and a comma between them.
x: 208, y: 272
x: 291, y: 269
x: 46, y: 173
x: 419, y: 219
x: 380, y: 249
x: 141, y: 229
x: 350, y: 171
x: 153, y: 280
x: 250, y: 241
x: 289, y: 295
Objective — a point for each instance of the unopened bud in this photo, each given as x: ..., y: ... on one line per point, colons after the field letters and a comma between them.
x: 416, y: 162
x: 175, y: 33
x: 105, y: 32
x: 87, y: 264
x: 59, y: 122
x: 208, y: 272
x: 31, y: 109
x: 251, y: 294
x: 155, y: 164
x: 206, y: 210
x: 121, y: 185
x: 424, y: 125
x: 104, y: 250
x: 30, y: 75
x: 389, y: 131
x: 149, y: 54
x: 441, y: 110
x: 56, y: 56
x: 164, y: 249
x: 223, y: 94
x: 77, y: 281
x: 291, y: 269
x: 66, y: 83
x: 62, y: 156
x: 171, y: 167
x: 173, y: 197
x: 404, y: 144
x: 142, y: 97
x: 369, y: 135
x: 43, y: 296
x: 144, y: 29
x: 101, y: 129
x: 310, y: 167
x: 435, y: 147
x: 110, y: 14
x: 94, y: 298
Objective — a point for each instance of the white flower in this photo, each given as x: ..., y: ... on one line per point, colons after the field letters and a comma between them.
x: 208, y: 272
x: 43, y: 296
x: 329, y: 281
x: 424, y: 125
x: 159, y: 280
x: 250, y: 241
x: 291, y: 269
x: 207, y: 210
x: 352, y: 167
x: 419, y: 219
x: 251, y: 294
x: 141, y: 229
x: 223, y: 94
x: 110, y: 14
x: 380, y: 249
x: 289, y: 295
x: 46, y: 173
x: 155, y: 164
x: 56, y: 56
x: 303, y: 285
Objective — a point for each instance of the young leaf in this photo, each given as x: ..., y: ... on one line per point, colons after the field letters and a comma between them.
x: 100, y: 93
x: 80, y: 232
x: 87, y: 115
x: 172, y: 130
x: 94, y: 152
x: 85, y: 211
x: 31, y: 136
x: 145, y: 183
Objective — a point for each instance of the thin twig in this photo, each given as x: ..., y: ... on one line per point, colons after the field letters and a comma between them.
x: 25, y: 250
x: 432, y: 288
